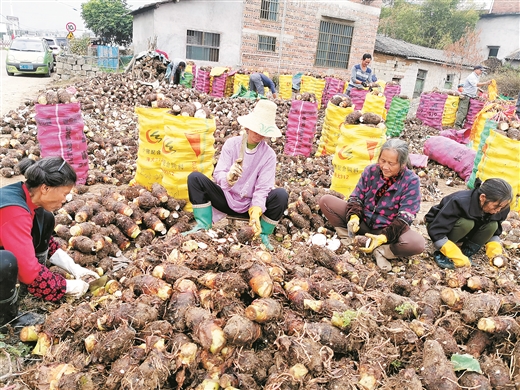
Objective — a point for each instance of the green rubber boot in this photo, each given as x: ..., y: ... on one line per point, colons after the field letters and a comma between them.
x: 267, y: 229
x: 203, y: 216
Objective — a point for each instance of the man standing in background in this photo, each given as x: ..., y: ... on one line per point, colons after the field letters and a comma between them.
x: 469, y: 92
x: 257, y: 82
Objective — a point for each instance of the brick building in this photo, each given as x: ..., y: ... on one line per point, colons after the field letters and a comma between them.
x: 327, y: 37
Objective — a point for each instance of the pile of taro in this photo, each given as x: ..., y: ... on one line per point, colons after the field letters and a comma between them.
x: 214, y: 310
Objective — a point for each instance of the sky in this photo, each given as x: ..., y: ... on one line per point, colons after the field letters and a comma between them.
x: 51, y: 15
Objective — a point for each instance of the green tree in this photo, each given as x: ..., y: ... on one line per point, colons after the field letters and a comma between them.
x: 109, y: 20
x: 433, y: 23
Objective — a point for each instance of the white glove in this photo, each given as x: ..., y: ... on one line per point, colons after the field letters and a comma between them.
x: 63, y: 260
x: 76, y: 288
x: 235, y: 172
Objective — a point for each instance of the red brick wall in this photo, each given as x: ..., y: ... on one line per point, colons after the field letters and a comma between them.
x: 506, y: 7
x: 300, y: 34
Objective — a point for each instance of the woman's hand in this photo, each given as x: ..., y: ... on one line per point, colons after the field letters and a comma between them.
x: 76, y: 288
x: 353, y: 225
x: 375, y: 241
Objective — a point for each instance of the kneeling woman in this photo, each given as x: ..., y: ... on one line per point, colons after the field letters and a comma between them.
x: 26, y: 225
x: 382, y: 206
x: 471, y: 219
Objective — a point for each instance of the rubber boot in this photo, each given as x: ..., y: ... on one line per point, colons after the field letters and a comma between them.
x: 382, y: 254
x: 267, y: 229
x: 9, y: 288
x: 469, y: 248
x: 443, y: 261
x: 203, y: 216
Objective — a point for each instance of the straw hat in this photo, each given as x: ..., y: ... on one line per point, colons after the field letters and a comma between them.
x: 262, y: 119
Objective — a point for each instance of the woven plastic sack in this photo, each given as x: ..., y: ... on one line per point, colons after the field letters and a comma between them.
x: 332, y: 87
x: 203, y: 81
x: 478, y: 126
x: 218, y: 86
x: 60, y: 133
x: 492, y: 90
x: 188, y: 146
x: 424, y: 104
x: 374, y: 104
x: 396, y: 116
x: 301, y: 126
x: 240, y: 79
x: 358, y: 97
x: 230, y: 81
x: 475, y: 106
x: 330, y: 131
x: 449, y: 113
x: 489, y: 126
x: 451, y: 154
x: 501, y: 158
x: 285, y: 86
x: 151, y: 135
x: 358, y: 147
x: 186, y: 80
x: 313, y: 85
x: 389, y: 92
x: 433, y: 112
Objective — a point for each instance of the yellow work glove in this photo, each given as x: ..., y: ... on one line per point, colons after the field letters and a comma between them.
x: 235, y: 172
x: 494, y: 251
x: 353, y: 225
x: 375, y: 241
x: 453, y: 252
x: 254, y: 219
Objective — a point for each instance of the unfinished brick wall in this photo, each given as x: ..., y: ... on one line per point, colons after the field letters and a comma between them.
x: 297, y: 34
x: 506, y: 7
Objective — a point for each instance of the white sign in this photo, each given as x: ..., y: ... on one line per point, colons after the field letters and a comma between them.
x: 71, y: 27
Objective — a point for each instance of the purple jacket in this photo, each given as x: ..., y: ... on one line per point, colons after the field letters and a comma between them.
x: 402, y: 199
x: 258, y: 174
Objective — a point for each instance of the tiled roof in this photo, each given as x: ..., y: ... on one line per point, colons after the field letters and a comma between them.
x: 401, y: 48
x: 514, y: 56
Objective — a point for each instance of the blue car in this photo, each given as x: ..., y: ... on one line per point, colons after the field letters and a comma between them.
x: 29, y: 55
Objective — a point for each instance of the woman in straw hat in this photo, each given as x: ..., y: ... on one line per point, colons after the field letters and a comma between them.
x: 244, y: 178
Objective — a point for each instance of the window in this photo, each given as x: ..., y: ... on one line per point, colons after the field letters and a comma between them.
x: 448, y: 84
x: 419, y: 82
x: 334, y: 44
x: 269, y: 10
x: 493, y: 51
x: 266, y: 43
x: 202, y: 46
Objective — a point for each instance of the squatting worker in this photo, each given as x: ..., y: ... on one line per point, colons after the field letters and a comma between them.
x: 382, y: 206
x: 362, y: 75
x: 469, y: 91
x: 257, y: 82
x: 26, y: 225
x: 471, y: 219
x: 244, y: 178
x: 175, y: 71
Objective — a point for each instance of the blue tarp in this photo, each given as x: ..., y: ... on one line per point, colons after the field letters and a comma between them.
x: 107, y: 57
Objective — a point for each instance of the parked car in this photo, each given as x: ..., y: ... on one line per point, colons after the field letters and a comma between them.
x: 57, y: 45
x: 29, y: 55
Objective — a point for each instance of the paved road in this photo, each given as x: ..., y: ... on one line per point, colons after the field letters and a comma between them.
x: 15, y: 89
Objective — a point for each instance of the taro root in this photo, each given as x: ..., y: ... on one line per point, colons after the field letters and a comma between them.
x: 398, y: 307
x: 241, y: 331
x: 152, y: 373
x: 83, y: 244
x: 148, y: 284
x: 263, y: 310
x: 146, y: 200
x: 144, y: 238
x: 230, y: 283
x: 127, y: 225
x: 110, y: 345
x: 477, y: 306
x: 353, y: 117
x: 83, y: 229
x: 500, y: 324
x: 122, y: 365
x: 329, y: 336
x: 497, y: 372
x: 477, y: 343
x: 153, y: 222
x: 104, y: 218
x: 437, y: 372
x: 260, y: 280
x: 183, y: 297
x: 245, y: 234
x: 369, y: 118
x: 474, y: 380
x: 332, y: 261
x: 172, y: 272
